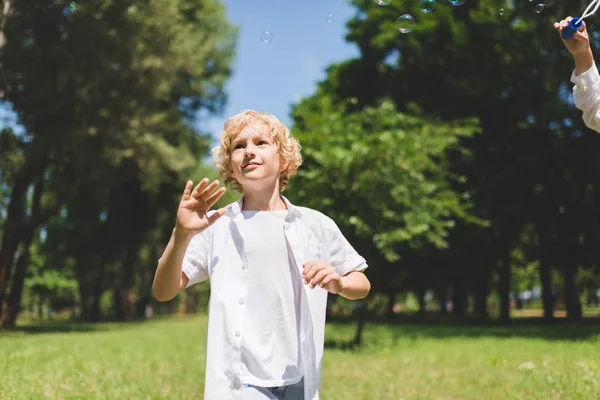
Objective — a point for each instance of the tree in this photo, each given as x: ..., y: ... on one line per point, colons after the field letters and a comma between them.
x: 111, y: 109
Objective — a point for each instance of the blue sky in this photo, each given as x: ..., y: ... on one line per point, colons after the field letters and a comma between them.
x: 269, y: 77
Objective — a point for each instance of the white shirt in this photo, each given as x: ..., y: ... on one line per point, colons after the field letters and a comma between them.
x: 271, y: 340
x: 586, y: 96
x: 219, y: 253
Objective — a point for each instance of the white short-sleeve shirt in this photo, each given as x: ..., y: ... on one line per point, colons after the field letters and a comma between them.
x: 586, y: 96
x: 218, y: 254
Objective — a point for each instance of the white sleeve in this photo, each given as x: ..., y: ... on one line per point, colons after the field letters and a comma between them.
x: 342, y: 256
x: 586, y: 96
x: 195, y: 260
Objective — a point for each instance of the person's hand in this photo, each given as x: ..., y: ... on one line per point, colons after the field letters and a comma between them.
x: 322, y: 274
x: 191, y: 214
x: 580, y: 42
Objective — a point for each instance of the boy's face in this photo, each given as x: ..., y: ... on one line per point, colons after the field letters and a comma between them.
x: 255, y: 159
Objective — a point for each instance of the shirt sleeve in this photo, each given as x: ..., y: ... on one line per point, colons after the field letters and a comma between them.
x: 342, y: 256
x: 586, y: 96
x: 195, y: 260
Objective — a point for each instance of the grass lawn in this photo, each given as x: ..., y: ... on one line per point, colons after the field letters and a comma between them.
x: 164, y: 359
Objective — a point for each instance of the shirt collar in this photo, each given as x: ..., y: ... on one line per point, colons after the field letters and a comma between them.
x: 235, y: 209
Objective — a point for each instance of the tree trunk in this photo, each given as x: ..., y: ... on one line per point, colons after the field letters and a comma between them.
x: 572, y: 302
x: 420, y: 293
x: 480, y: 296
x: 360, y: 323
x: 391, y: 302
x: 443, y: 299
x: 118, y: 302
x: 546, y: 280
x: 10, y: 238
x: 459, y: 299
x: 34, y: 164
x: 504, y: 288
x: 13, y: 302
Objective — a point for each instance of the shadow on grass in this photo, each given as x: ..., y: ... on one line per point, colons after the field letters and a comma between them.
x: 408, y: 330
x: 70, y: 326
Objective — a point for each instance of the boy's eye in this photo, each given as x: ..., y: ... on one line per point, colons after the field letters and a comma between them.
x: 238, y: 146
x: 261, y: 142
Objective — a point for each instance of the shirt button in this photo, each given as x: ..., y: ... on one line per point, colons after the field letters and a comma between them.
x: 237, y: 333
x: 241, y: 301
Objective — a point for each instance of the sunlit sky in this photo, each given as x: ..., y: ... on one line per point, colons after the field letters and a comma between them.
x: 269, y: 77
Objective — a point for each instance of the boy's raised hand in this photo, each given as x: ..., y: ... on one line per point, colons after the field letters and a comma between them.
x: 322, y: 274
x: 580, y: 41
x: 192, y: 215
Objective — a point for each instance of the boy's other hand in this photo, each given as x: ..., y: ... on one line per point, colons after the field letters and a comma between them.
x: 579, y: 43
x: 194, y: 204
x: 322, y: 274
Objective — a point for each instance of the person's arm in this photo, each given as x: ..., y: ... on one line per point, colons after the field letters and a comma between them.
x: 169, y: 278
x: 583, y: 62
x: 193, y: 217
x: 355, y: 286
x: 578, y: 46
x: 585, y: 77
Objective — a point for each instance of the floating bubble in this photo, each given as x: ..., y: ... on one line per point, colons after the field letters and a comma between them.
x: 382, y: 2
x: 330, y: 18
x: 539, y: 8
x: 427, y: 5
x: 404, y: 23
x: 501, y: 11
x: 266, y: 37
x: 457, y: 3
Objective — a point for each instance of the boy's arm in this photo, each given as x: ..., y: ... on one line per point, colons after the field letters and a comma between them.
x: 355, y: 285
x: 169, y: 278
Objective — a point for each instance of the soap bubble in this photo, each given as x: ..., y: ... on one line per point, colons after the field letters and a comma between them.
x: 266, y: 37
x: 330, y: 18
x: 382, y: 2
x: 427, y: 5
x: 501, y: 11
x: 457, y: 3
x: 404, y: 23
x: 539, y: 8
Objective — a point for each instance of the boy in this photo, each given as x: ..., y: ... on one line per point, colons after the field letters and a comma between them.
x: 270, y: 264
x: 586, y: 92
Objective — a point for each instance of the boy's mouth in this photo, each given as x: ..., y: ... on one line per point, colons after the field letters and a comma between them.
x: 250, y: 164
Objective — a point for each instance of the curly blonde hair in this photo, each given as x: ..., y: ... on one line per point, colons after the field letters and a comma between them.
x: 289, y: 147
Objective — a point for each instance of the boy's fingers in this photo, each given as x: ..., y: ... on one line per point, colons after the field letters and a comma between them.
x: 187, y: 191
x: 318, y: 278
x: 327, y: 280
x: 215, y: 197
x: 311, y: 270
x: 206, y: 192
x: 199, y: 187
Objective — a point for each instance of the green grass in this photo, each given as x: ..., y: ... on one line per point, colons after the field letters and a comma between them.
x: 164, y: 359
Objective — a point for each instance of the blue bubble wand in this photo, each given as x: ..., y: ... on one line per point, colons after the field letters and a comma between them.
x: 576, y: 22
